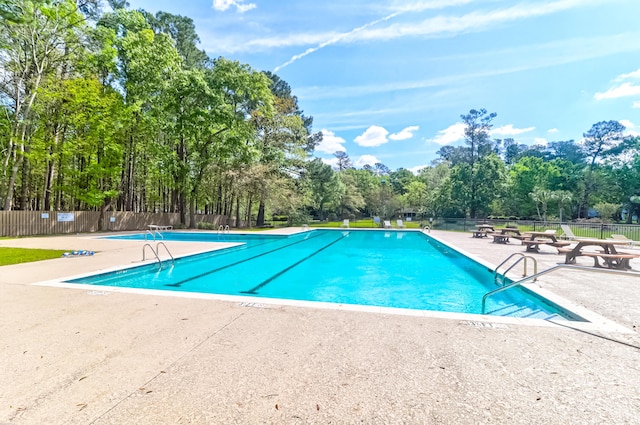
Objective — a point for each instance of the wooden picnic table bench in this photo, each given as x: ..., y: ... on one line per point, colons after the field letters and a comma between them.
x: 619, y: 260
x: 533, y: 240
x: 608, y: 249
x: 533, y: 245
x: 500, y: 237
x: 479, y: 233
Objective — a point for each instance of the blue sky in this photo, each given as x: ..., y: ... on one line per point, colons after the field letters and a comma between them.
x: 387, y: 81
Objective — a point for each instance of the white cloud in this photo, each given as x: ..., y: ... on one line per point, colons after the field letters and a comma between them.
x: 242, y: 7
x: 437, y: 26
x: 404, y: 134
x: 634, y: 74
x: 636, y: 104
x: 631, y: 128
x: 373, y: 136
x: 333, y: 162
x: 416, y: 170
x: 330, y: 142
x: 474, y: 21
x: 540, y: 141
x: 451, y: 134
x: 509, y: 130
x: 552, y: 130
x: 623, y: 90
x: 366, y: 159
x: 627, y: 123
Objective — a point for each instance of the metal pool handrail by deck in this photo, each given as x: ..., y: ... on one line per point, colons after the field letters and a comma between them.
x: 522, y: 257
x: 549, y: 270
x: 156, y: 252
x: 153, y: 235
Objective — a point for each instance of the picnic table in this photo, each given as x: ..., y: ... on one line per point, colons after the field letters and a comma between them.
x: 482, y: 230
x: 611, y: 257
x: 512, y: 231
x: 533, y: 240
x: 500, y: 237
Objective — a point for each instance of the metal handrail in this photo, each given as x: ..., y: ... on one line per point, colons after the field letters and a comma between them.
x: 522, y: 257
x: 153, y: 235
x: 152, y: 250
x: 173, y: 261
x: 549, y: 270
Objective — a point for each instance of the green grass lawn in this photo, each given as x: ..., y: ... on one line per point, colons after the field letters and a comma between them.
x: 25, y: 255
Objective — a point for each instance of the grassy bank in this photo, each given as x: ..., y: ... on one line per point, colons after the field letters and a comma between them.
x: 10, y: 256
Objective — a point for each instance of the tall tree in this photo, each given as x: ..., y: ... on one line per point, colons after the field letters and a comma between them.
x: 343, y: 160
x: 602, y: 137
x: 324, y: 185
x: 36, y: 44
x: 479, y: 145
x: 183, y: 32
x: 283, y: 139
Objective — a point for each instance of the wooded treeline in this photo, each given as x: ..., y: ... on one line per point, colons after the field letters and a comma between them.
x: 562, y: 180
x: 121, y: 110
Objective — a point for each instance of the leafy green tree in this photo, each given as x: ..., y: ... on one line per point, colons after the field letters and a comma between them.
x: 541, y: 197
x: 602, y: 137
x: 416, y: 196
x: 567, y: 150
x: 366, y: 184
x: 35, y: 42
x: 607, y: 211
x: 563, y: 198
x: 438, y: 182
x: 400, y: 179
x: 324, y: 185
x: 525, y: 176
x: 183, y: 32
x: 343, y: 160
x: 471, y: 183
x: 283, y: 138
x: 351, y: 200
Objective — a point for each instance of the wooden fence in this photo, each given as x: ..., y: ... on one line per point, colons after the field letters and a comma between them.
x: 27, y: 223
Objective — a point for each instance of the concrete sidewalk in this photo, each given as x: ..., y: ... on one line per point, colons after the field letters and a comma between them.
x: 71, y: 356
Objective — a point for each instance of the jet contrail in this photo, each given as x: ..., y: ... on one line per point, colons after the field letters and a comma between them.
x: 334, y: 40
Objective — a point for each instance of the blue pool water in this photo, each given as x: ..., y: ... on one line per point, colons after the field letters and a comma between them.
x: 374, y: 268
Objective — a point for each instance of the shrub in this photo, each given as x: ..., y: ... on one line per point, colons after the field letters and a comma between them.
x: 203, y: 225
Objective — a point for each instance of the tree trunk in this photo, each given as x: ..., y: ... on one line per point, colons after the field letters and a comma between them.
x: 103, y: 211
x: 260, y: 218
x: 192, y: 211
x: 237, y: 211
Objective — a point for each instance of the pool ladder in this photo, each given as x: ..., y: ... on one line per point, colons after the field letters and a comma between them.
x: 153, y: 235
x: 534, y: 276
x: 156, y: 253
x: 524, y: 258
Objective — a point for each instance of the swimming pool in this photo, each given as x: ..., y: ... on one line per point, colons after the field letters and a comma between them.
x: 401, y: 269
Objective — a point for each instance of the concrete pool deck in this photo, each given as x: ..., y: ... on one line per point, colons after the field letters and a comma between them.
x: 77, y: 356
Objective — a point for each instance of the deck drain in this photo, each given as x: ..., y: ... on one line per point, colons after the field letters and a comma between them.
x: 254, y: 305
x: 477, y: 324
x: 97, y: 293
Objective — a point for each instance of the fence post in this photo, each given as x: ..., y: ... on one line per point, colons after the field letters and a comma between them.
x: 601, y: 230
